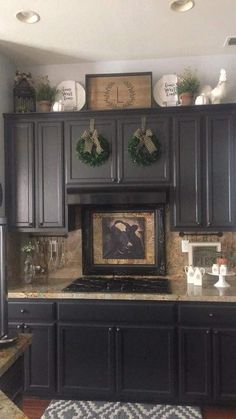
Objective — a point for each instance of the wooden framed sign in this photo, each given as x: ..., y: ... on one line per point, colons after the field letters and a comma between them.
x: 119, y: 91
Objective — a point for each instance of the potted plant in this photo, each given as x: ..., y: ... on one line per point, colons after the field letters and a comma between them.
x: 45, y: 94
x: 187, y: 87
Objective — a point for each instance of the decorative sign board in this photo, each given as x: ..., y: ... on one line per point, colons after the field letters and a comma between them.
x: 203, y: 253
x: 119, y: 91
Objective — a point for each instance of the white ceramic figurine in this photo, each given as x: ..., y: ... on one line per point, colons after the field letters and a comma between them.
x: 217, y: 94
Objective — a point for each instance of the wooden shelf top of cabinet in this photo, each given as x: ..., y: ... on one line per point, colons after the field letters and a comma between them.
x: 125, y: 112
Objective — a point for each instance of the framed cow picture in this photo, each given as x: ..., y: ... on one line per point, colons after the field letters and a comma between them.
x: 123, y: 241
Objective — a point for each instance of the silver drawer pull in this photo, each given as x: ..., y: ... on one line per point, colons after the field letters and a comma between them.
x: 211, y: 315
x: 22, y: 310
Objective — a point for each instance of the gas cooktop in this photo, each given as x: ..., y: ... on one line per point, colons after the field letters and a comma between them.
x: 126, y: 285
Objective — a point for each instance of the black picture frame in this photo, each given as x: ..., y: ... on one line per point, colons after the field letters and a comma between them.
x: 94, y: 234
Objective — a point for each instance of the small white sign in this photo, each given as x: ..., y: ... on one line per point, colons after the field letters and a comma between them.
x: 68, y: 94
x: 165, y: 90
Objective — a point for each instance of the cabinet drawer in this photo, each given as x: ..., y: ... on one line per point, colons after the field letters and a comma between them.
x: 208, y: 314
x: 31, y: 311
x: 117, y: 311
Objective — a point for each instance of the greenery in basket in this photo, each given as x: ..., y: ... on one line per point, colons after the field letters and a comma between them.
x: 44, y: 91
x: 187, y: 82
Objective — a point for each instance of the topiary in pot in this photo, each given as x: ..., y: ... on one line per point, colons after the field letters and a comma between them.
x: 45, y: 94
x: 187, y: 87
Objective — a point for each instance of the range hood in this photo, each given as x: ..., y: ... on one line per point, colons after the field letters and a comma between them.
x: 116, y: 198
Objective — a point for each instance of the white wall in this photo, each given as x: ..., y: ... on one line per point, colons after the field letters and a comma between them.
x: 7, y: 73
x: 208, y: 70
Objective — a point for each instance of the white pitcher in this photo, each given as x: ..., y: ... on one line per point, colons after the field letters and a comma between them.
x: 189, y: 270
x: 198, y: 274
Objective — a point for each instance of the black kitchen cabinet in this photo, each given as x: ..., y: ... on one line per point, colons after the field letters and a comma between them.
x: 131, y: 173
x: 79, y: 173
x: 203, y: 193
x: 186, y: 202
x: 50, y: 161
x: 86, y: 360
x: 224, y: 364
x: 119, y: 169
x: 207, y: 357
x: 145, y: 362
x: 220, y: 170
x: 35, y: 174
x: 194, y: 364
x: 39, y: 360
x: 20, y: 176
x: 101, y: 355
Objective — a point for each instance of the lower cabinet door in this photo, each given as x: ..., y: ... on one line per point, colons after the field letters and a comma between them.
x: 224, y: 365
x: 86, y: 360
x: 145, y: 363
x: 40, y: 359
x: 194, y: 364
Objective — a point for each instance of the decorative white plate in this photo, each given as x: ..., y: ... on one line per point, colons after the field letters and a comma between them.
x: 164, y: 91
x: 72, y: 95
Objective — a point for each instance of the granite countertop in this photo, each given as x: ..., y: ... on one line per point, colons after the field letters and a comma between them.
x: 8, y: 355
x: 51, y: 288
x: 8, y: 409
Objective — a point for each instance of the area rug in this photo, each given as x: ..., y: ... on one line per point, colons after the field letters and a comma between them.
x: 73, y: 409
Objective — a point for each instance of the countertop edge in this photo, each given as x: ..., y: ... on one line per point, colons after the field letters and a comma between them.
x: 8, y: 409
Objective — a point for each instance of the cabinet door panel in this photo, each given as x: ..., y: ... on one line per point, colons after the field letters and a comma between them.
x: 194, y: 364
x: 78, y: 172
x: 224, y: 361
x: 145, y: 363
x: 220, y: 164
x: 51, y: 174
x: 157, y: 172
x: 21, y: 203
x: 86, y: 360
x: 186, y: 194
x: 40, y: 359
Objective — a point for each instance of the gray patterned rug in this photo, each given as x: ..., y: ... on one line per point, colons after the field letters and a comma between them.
x: 72, y: 409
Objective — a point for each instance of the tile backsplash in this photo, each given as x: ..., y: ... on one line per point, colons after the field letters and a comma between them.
x: 72, y: 249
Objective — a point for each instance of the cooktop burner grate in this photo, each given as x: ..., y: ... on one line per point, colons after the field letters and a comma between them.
x: 128, y: 285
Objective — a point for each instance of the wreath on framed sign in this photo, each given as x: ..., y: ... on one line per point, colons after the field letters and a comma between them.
x: 144, y: 148
x: 92, y: 149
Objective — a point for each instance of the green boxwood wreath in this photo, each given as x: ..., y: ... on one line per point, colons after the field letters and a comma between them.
x: 93, y: 158
x: 141, y: 156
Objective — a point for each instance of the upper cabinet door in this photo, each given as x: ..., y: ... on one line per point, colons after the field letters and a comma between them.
x: 50, y: 174
x: 129, y: 172
x: 20, y: 173
x: 187, y: 155
x: 220, y: 170
x: 80, y: 173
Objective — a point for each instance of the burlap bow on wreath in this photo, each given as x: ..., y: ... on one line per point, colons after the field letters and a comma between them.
x: 144, y: 148
x: 92, y: 149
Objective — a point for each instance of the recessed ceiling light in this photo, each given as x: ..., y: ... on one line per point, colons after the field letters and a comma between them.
x: 28, y: 16
x: 230, y: 40
x: 181, y: 5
